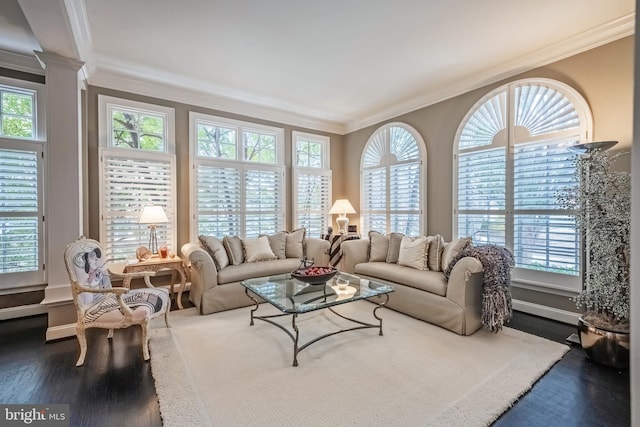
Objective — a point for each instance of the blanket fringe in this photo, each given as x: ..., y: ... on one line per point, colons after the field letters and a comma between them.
x: 496, y: 308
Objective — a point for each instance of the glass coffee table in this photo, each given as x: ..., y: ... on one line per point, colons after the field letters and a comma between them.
x: 293, y: 297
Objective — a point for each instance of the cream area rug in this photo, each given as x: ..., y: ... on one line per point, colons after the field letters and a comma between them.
x: 216, y: 370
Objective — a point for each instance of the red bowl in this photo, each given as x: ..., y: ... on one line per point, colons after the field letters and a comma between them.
x: 318, y: 279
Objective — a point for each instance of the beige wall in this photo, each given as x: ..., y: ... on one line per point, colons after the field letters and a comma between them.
x: 182, y: 156
x: 603, y: 76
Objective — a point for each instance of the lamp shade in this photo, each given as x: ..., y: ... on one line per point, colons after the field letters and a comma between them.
x: 342, y: 206
x: 153, y: 214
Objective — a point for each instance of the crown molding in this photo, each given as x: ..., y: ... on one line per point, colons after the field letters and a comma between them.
x: 20, y: 62
x: 595, y: 37
x: 115, y: 75
x: 81, y: 34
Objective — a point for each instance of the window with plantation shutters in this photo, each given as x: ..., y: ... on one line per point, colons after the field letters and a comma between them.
x: 237, y: 184
x: 393, y: 183
x: 511, y: 159
x: 137, y: 168
x: 311, y: 183
x: 22, y: 216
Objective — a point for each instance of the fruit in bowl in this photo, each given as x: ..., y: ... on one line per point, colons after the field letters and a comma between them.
x: 314, y: 275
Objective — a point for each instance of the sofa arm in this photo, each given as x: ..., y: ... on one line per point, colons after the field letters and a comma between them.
x: 204, y: 274
x: 465, y: 282
x: 318, y: 250
x: 353, y: 252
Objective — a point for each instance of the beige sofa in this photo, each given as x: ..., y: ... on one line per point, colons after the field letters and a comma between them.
x: 215, y: 289
x: 455, y: 304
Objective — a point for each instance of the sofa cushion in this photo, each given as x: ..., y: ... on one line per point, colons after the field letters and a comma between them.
x: 233, y: 245
x: 394, y: 247
x: 216, y: 250
x: 257, y: 249
x: 251, y: 270
x: 436, y: 246
x: 378, y: 246
x: 413, y: 252
x: 278, y: 243
x: 295, y: 244
x: 452, y: 249
x: 430, y: 281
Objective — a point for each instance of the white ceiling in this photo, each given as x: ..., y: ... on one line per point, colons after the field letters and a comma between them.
x: 333, y: 65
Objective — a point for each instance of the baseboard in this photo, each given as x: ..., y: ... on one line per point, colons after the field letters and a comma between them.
x: 556, y: 314
x: 22, y: 311
x: 61, y: 331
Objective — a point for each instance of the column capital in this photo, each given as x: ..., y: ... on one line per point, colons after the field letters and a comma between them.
x: 50, y: 58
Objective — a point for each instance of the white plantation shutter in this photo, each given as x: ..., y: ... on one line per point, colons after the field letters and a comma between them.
x: 218, y: 200
x: 131, y: 180
x: 21, y: 256
x: 392, y: 184
x: 263, y: 201
x: 312, y: 189
x: 510, y: 170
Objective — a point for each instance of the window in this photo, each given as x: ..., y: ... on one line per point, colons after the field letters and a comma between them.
x: 392, y: 184
x: 311, y: 183
x: 137, y: 168
x: 511, y: 159
x: 22, y: 151
x: 237, y: 185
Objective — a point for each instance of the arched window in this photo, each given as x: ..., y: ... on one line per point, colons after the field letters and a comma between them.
x: 392, y: 184
x: 510, y: 160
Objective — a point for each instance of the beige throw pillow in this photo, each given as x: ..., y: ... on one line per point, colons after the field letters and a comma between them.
x: 378, y: 246
x: 295, y: 244
x: 452, y: 249
x: 216, y: 250
x: 394, y: 247
x: 278, y: 243
x: 257, y: 249
x: 436, y: 246
x: 413, y: 252
x: 233, y: 245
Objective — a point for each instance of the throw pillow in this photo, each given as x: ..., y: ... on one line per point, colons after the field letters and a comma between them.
x: 378, y: 246
x: 233, y: 245
x: 278, y: 243
x: 216, y: 250
x: 257, y: 249
x: 295, y: 244
x: 394, y: 247
x: 436, y: 246
x: 452, y: 249
x: 413, y: 252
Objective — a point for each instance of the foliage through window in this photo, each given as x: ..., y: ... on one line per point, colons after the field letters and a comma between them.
x: 238, y: 177
x: 17, y: 112
x: 311, y: 183
x: 137, y: 168
x: 392, y: 184
x: 509, y: 168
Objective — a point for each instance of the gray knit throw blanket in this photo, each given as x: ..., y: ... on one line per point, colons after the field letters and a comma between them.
x: 496, y: 281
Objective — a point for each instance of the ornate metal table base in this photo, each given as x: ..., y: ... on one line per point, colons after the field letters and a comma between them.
x: 295, y: 335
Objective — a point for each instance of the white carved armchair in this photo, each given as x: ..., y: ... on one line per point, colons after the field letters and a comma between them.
x: 99, y: 305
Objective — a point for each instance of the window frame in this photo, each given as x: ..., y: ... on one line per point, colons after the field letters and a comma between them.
x: 324, y: 171
x: 534, y: 278
x: 241, y: 165
x: 33, y: 279
x: 387, y: 165
x: 106, y: 106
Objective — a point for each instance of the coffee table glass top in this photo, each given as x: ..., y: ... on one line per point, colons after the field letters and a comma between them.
x: 293, y: 296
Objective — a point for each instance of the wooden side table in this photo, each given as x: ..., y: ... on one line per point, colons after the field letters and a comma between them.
x: 156, y: 264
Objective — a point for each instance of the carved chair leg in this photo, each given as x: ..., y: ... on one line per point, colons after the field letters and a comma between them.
x: 145, y: 341
x: 82, y: 340
x: 110, y: 334
x: 166, y: 317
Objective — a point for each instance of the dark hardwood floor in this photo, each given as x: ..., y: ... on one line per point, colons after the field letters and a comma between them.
x: 115, y: 387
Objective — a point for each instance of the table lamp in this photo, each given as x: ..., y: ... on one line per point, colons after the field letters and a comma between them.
x: 342, y: 207
x: 153, y: 215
